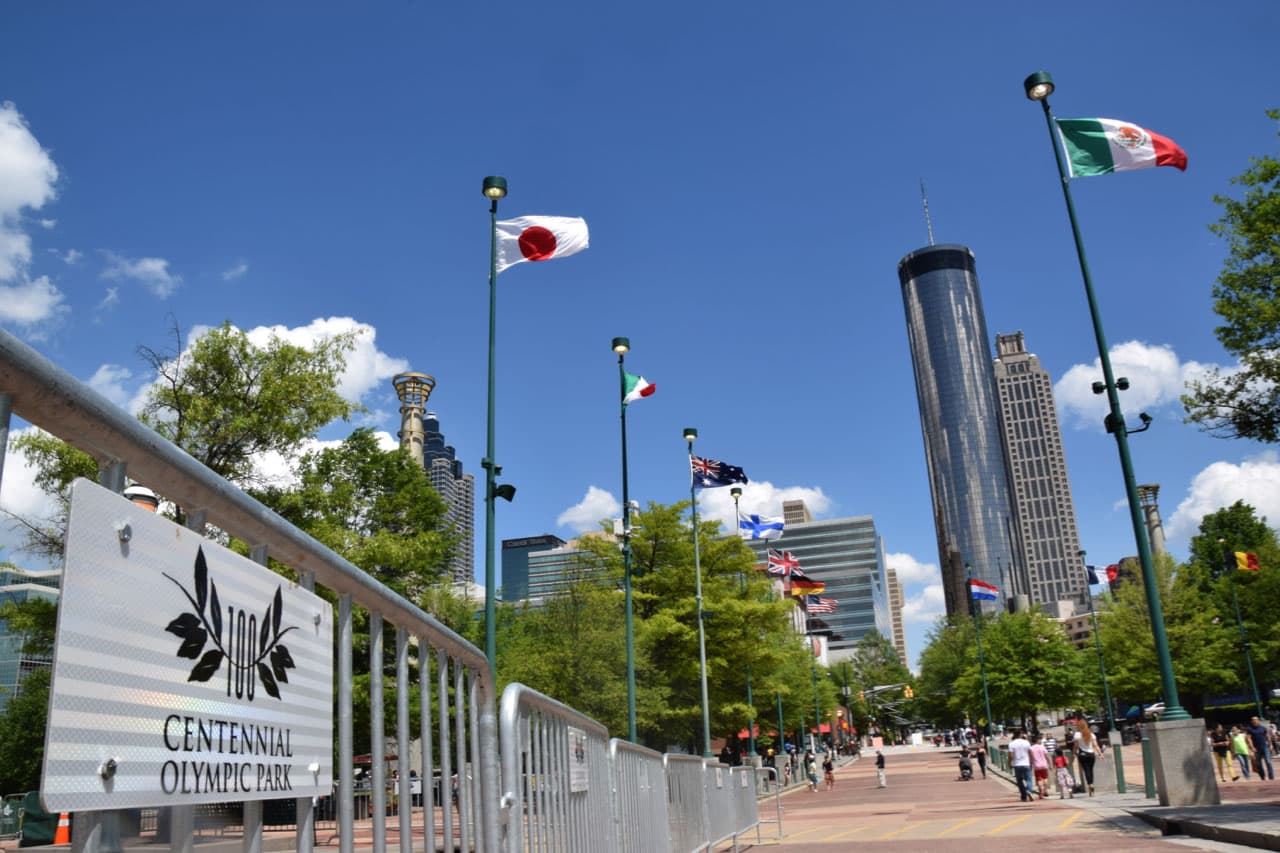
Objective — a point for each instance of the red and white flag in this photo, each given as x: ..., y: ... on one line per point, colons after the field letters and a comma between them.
x: 540, y: 238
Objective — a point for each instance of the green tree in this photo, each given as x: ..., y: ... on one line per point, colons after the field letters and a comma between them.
x: 226, y: 401
x: 55, y: 464
x: 949, y: 647
x: 1246, y: 403
x: 35, y: 620
x: 1199, y: 640
x: 22, y: 734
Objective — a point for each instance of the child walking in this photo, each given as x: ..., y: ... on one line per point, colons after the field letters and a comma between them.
x: 1066, y: 785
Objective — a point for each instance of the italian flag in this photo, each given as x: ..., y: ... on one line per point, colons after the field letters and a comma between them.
x: 1097, y: 146
x: 636, y: 387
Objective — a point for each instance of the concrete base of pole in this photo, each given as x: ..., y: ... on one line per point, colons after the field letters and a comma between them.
x: 1183, y: 764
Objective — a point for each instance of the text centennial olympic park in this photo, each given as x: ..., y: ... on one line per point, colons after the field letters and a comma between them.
x: 222, y: 738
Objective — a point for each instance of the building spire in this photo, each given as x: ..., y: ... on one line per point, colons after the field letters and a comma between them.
x: 928, y: 223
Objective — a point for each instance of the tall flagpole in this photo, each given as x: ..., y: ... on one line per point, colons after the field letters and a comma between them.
x: 621, y: 346
x: 689, y: 435
x: 982, y: 661
x: 1038, y: 88
x: 1229, y: 565
x: 494, y: 188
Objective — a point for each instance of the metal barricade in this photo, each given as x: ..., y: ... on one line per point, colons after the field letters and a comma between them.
x: 464, y: 734
x: 556, y: 784
x: 687, y: 802
x: 639, y: 799
x: 719, y: 800
x: 742, y: 783
x: 774, y: 792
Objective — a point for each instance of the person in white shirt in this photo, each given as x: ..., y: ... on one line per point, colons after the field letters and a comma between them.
x: 1020, y: 760
x: 1086, y: 747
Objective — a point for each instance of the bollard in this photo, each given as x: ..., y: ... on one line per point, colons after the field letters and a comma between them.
x: 1117, y: 741
x: 1148, y: 771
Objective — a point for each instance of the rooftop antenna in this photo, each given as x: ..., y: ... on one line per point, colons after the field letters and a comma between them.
x: 927, y: 221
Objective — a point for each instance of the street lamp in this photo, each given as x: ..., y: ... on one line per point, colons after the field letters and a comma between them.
x: 621, y: 346
x: 494, y: 187
x: 1229, y: 566
x: 1038, y: 87
x: 689, y: 435
x: 735, y: 492
x: 1106, y: 690
x: 982, y: 661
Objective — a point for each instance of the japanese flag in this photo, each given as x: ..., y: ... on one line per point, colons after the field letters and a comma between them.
x: 539, y: 238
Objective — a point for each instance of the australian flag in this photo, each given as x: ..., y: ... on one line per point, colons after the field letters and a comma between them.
x: 710, y: 474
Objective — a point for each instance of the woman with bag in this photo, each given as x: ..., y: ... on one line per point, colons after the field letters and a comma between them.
x: 1086, y: 749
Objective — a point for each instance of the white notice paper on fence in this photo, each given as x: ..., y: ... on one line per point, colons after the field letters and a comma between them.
x: 183, y: 673
x: 578, y: 776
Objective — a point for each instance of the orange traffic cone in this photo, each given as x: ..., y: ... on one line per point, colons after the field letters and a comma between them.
x: 63, y: 835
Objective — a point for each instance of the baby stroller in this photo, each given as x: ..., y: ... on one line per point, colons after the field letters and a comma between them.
x: 966, y: 766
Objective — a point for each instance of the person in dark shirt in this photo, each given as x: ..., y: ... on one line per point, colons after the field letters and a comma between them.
x: 1260, y: 737
x: 880, y: 768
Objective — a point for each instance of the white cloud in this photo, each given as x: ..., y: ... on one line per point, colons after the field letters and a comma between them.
x: 1256, y: 481
x: 152, y: 273
x: 108, y: 380
x: 235, y: 272
x: 924, y: 605
x: 30, y: 302
x: 48, y: 223
x: 763, y: 498
x: 72, y: 256
x: 1156, y: 378
x: 109, y: 300
x: 27, y: 178
x: 18, y: 491
x: 910, y: 570
x: 586, y: 515
x: 366, y: 366
x: 275, y: 469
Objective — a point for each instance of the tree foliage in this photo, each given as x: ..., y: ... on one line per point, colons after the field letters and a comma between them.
x: 22, y: 734
x: 227, y: 401
x: 55, y: 464
x: 1246, y: 403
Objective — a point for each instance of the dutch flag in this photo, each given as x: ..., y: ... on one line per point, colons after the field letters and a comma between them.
x: 981, y: 591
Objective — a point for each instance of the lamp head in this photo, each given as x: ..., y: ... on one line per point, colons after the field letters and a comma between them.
x: 735, y: 492
x: 494, y: 187
x: 621, y: 345
x: 1038, y: 86
x: 690, y: 434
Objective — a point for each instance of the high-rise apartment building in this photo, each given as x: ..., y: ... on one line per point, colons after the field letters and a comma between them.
x: 1038, y: 469
x: 459, y: 492
x: 895, y: 614
x: 973, y: 511
x: 846, y: 555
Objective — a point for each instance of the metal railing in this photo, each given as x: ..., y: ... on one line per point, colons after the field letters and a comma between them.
x: 48, y: 397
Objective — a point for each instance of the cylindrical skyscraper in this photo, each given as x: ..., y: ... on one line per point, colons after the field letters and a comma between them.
x: 960, y: 419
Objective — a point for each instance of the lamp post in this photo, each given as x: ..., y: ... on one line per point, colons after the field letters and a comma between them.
x: 689, y: 435
x: 494, y: 187
x: 1106, y: 690
x: 1229, y: 566
x: 735, y: 492
x: 621, y: 346
x: 1038, y: 87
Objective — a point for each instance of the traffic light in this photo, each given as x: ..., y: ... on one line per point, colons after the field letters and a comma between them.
x: 862, y: 695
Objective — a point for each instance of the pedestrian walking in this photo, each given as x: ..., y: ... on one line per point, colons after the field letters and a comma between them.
x: 880, y: 768
x: 1020, y: 760
x: 829, y: 772
x: 811, y: 769
x: 1221, y: 744
x: 1040, y: 766
x: 1241, y: 750
x: 1086, y: 748
x: 1260, y: 740
x: 982, y: 758
x: 1066, y: 784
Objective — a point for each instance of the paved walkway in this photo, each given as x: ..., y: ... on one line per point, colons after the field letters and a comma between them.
x: 926, y: 808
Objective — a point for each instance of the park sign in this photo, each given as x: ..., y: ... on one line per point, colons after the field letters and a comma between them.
x: 183, y: 673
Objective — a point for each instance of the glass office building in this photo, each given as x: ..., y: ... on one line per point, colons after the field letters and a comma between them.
x: 515, y: 563
x: 960, y: 419
x: 846, y: 555
x: 17, y: 586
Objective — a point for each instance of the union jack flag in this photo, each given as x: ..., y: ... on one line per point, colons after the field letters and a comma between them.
x: 782, y: 564
x: 818, y: 604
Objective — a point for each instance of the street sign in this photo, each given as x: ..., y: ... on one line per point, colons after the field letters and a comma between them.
x: 183, y: 672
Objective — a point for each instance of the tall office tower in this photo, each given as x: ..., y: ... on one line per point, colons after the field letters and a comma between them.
x: 895, y: 614
x: 1147, y: 495
x: 960, y: 419
x: 459, y: 493
x: 845, y: 554
x: 515, y: 563
x: 420, y: 435
x: 795, y: 512
x: 1038, y: 469
x: 16, y: 663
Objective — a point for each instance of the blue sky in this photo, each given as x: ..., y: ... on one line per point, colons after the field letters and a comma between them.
x: 750, y: 175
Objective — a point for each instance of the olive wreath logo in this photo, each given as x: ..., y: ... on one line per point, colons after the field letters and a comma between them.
x: 251, y: 647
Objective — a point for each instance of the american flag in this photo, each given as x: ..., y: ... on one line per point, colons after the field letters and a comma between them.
x: 782, y: 564
x: 818, y: 604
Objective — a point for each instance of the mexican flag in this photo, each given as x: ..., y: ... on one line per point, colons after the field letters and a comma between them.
x: 636, y: 387
x: 1097, y: 146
